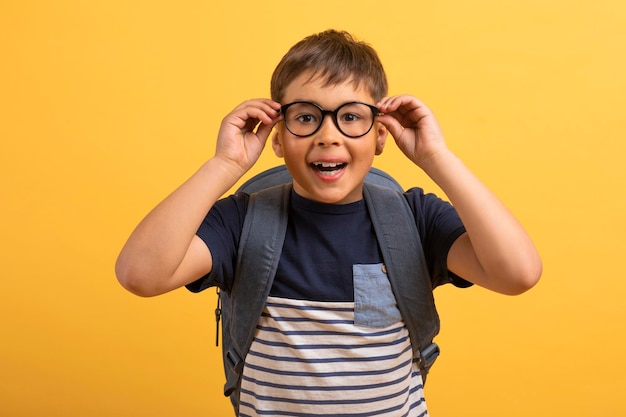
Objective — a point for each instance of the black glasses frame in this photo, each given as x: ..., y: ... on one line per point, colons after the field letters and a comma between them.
x: 333, y: 113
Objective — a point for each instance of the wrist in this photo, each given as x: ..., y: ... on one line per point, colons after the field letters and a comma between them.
x: 437, y: 161
x: 223, y: 174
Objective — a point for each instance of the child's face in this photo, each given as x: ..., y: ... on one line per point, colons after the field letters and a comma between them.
x: 328, y: 166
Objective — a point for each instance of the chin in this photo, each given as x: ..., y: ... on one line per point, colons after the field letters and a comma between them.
x: 338, y: 197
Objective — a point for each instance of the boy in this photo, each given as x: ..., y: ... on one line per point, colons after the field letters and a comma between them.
x: 320, y: 347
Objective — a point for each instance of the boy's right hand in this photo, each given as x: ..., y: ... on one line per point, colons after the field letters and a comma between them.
x: 244, y: 132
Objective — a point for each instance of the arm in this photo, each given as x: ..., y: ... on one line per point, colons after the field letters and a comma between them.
x: 496, y: 252
x: 163, y: 252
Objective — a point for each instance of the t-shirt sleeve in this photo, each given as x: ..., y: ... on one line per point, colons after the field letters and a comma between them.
x: 439, y: 226
x: 220, y: 231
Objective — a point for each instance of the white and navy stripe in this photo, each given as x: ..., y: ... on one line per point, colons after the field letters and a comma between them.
x: 309, y: 358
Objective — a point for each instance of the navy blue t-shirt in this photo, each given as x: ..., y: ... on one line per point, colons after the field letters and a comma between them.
x: 324, y: 241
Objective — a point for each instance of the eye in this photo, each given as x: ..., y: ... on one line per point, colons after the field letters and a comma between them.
x: 354, y: 113
x: 302, y: 114
x: 350, y: 117
x: 305, y: 118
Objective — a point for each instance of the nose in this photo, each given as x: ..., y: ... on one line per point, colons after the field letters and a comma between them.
x: 328, y: 133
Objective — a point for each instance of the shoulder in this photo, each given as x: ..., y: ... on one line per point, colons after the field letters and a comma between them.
x: 432, y: 211
x: 223, y: 223
x: 424, y: 207
x: 429, y: 207
x: 417, y: 196
x: 231, y: 208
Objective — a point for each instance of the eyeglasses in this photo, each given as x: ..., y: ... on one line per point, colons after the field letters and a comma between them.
x: 354, y: 119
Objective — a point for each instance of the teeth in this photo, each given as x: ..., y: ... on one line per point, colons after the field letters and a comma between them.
x: 328, y: 168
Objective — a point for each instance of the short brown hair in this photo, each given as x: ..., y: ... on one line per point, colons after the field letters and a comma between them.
x: 336, y: 57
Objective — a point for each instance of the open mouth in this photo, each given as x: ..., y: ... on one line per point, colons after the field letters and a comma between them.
x: 328, y: 168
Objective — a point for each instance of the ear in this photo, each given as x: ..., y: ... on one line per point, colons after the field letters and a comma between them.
x: 277, y: 145
x: 381, y: 138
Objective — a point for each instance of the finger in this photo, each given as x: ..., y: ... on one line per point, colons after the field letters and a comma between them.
x: 264, y: 129
x: 392, y: 124
x: 258, y: 108
x: 247, y: 118
x: 393, y: 103
x: 266, y: 105
x: 258, y: 102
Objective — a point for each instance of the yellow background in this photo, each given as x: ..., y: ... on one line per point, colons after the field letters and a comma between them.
x: 106, y: 106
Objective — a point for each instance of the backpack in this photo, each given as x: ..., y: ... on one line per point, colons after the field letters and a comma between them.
x: 259, y: 251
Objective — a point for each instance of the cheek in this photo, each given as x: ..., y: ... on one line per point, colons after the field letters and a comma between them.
x: 369, y: 148
x: 292, y: 148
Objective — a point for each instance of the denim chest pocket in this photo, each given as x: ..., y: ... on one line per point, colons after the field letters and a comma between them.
x: 374, y: 303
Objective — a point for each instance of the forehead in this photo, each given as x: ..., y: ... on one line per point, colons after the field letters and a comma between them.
x: 315, y: 88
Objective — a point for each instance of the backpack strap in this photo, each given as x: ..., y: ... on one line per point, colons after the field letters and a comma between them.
x: 399, y: 241
x: 260, y: 247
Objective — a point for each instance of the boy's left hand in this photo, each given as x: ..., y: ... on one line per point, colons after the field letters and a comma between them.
x: 495, y: 252
x: 413, y: 126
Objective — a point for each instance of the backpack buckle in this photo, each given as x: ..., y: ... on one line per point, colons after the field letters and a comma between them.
x: 428, y: 355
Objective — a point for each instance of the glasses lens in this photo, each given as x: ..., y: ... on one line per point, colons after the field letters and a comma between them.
x: 355, y: 119
x: 302, y: 119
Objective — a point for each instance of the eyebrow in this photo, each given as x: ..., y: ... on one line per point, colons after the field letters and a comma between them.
x: 324, y: 107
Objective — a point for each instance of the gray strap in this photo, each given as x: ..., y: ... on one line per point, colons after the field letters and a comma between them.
x: 260, y: 247
x: 399, y: 241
